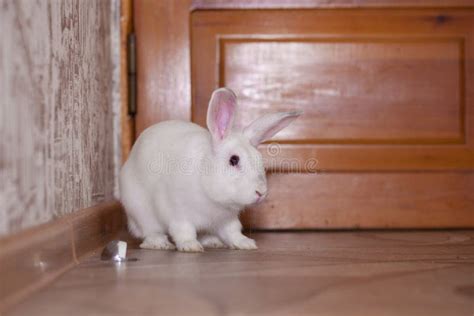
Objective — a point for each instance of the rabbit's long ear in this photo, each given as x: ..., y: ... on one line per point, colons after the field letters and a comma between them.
x: 268, y: 125
x: 220, y: 114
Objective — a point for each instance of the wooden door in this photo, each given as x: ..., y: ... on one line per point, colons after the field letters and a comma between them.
x: 388, y: 94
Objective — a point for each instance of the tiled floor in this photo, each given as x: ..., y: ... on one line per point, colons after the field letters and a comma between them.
x: 313, y: 273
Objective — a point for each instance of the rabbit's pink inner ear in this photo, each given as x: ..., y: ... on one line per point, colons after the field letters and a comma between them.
x: 221, y: 112
x: 224, y: 118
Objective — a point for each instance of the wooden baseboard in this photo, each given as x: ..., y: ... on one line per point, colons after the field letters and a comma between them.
x: 33, y: 258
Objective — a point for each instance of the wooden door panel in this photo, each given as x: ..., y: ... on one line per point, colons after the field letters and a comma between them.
x: 367, y: 200
x: 352, y: 90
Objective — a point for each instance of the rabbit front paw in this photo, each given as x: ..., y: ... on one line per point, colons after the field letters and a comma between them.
x: 243, y: 243
x: 157, y: 241
x: 190, y: 246
x: 210, y: 241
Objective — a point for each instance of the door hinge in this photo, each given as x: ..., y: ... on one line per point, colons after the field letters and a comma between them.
x: 132, y: 74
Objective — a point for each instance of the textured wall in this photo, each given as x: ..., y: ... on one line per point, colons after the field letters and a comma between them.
x: 58, y: 90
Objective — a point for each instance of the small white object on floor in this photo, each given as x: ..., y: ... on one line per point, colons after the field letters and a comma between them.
x: 116, y: 250
x: 122, y: 249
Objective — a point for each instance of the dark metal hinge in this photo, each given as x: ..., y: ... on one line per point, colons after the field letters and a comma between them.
x: 132, y: 74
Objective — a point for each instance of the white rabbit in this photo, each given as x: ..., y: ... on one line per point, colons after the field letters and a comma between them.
x: 181, y: 179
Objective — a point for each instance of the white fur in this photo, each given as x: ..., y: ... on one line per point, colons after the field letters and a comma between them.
x: 178, y: 179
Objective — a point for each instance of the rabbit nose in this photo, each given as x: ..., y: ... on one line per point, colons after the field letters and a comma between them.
x: 258, y: 193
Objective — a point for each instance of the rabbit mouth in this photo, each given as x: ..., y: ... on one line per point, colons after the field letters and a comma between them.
x: 260, y: 198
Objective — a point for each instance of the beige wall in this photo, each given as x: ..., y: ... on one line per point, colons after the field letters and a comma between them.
x: 58, y: 89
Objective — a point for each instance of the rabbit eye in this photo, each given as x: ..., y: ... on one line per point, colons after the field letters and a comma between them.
x: 234, y: 160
